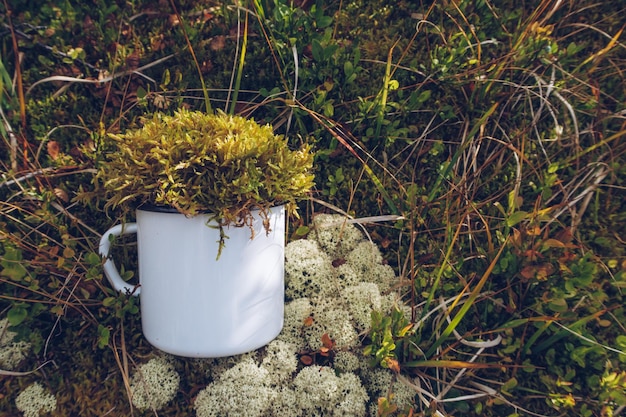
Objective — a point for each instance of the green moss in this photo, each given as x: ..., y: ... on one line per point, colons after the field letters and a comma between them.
x: 196, y: 162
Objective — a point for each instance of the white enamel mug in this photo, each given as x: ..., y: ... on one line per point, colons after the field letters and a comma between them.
x: 193, y: 304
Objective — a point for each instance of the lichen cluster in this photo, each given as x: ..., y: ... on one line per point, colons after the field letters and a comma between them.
x: 154, y: 384
x: 35, y: 400
x: 12, y: 352
x: 334, y: 278
x: 196, y: 162
x: 273, y: 386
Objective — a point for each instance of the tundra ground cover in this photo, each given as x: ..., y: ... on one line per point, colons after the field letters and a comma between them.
x: 480, y: 145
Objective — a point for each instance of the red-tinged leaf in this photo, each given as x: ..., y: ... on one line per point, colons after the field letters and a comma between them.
x: 217, y: 43
x: 392, y: 364
x: 327, y: 342
x: 306, y: 359
x: 405, y: 330
x: 532, y: 255
x: 534, y: 231
x: 338, y: 262
x: 544, y: 271
x: 516, y: 238
x: 565, y: 235
x: 308, y: 322
x: 53, y: 149
x: 553, y: 243
x: 58, y: 310
x: 386, y: 408
x: 207, y: 15
x: 528, y: 272
x: 62, y: 195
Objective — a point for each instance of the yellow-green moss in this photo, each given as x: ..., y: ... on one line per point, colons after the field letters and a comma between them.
x: 196, y: 162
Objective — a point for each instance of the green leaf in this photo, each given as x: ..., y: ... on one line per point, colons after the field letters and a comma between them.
x: 141, y: 93
x: 509, y: 385
x: 13, y: 271
x: 317, y: 50
x: 348, y: 69
x: 11, y: 264
x: 16, y: 315
x: 329, y: 109
x: 58, y: 310
x: 302, y: 231
x: 516, y: 217
x: 93, y: 259
x: 104, y: 335
x: 109, y: 301
x: 330, y: 50
x: 323, y: 21
x: 554, y: 167
x: 558, y: 305
x: 166, y: 78
x: 424, y: 95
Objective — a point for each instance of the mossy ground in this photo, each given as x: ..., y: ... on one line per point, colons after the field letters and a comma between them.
x: 473, y: 126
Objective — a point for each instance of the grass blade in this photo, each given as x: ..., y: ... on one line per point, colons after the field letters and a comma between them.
x: 242, y: 59
x: 467, y: 305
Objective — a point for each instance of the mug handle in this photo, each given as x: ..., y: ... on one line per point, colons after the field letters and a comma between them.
x: 110, y: 270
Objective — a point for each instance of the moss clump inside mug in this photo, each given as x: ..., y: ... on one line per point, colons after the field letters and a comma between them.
x: 195, y: 162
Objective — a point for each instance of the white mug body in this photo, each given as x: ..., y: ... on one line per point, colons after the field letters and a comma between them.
x: 195, y: 304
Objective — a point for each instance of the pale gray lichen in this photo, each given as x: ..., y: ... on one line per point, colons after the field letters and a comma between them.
x: 334, y: 279
x: 347, y: 275
x: 224, y: 363
x: 382, y: 275
x: 365, y: 255
x: 11, y: 352
x: 212, y: 368
x: 352, y: 397
x: 403, y: 395
x: 331, y: 316
x: 382, y: 382
x: 308, y: 270
x: 334, y: 235
x: 296, y: 313
x: 346, y: 361
x: 391, y: 301
x: 35, y: 400
x: 280, y: 361
x: 285, y: 403
x: 319, y: 391
x: 367, y: 261
x: 361, y: 299
x: 378, y: 381
x: 243, y: 390
x: 154, y: 384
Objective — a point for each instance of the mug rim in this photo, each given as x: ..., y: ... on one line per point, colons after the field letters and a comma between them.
x: 157, y: 208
